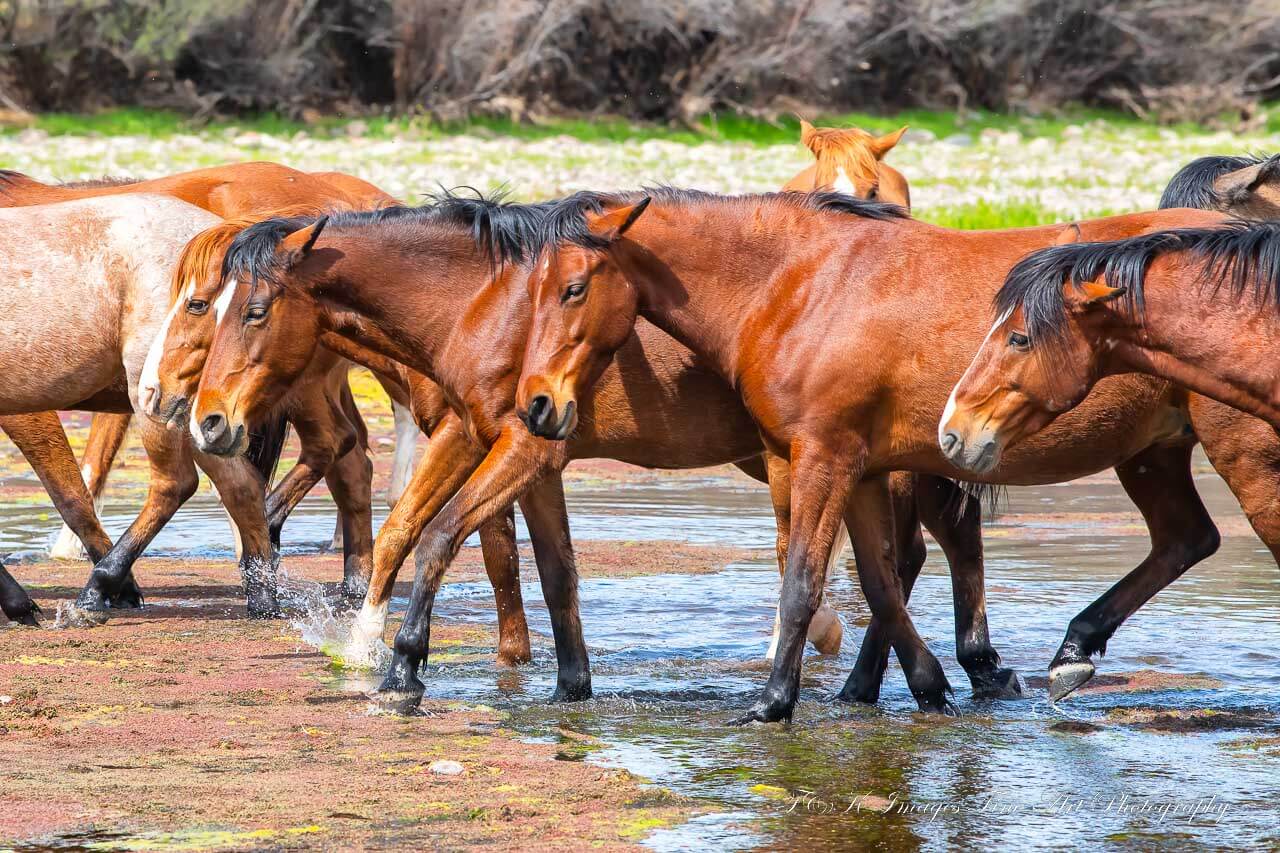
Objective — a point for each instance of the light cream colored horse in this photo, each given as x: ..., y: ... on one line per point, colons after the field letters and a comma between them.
x: 86, y: 289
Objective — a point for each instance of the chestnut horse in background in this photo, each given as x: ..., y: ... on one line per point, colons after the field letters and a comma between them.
x: 844, y: 350
x: 1245, y: 186
x: 851, y: 161
x: 1194, y: 306
x: 229, y: 191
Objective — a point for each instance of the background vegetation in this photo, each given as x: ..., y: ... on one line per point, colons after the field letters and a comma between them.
x: 671, y: 61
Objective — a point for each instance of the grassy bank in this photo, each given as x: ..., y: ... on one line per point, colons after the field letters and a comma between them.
x: 979, y: 170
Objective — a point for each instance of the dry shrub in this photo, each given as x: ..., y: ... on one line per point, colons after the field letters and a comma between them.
x: 649, y: 59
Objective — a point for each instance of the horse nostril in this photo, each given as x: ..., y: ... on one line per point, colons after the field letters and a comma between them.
x: 213, y: 426
x: 950, y: 440
x: 540, y: 408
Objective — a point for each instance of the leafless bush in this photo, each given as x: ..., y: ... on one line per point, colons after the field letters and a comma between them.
x: 651, y: 59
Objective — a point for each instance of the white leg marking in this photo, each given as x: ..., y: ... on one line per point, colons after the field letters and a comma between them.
x: 365, y: 645
x: 407, y: 433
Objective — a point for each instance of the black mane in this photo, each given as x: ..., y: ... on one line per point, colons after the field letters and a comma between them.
x: 567, y: 221
x: 510, y: 232
x: 1192, y: 185
x: 1244, y: 256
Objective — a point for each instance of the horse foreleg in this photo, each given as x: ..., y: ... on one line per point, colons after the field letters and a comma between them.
x: 821, y: 479
x: 449, y: 460
x: 548, y: 520
x: 1182, y: 534
x: 106, y: 435
x: 350, y: 481
x: 826, y: 631
x: 43, y: 442
x: 173, y: 481
x: 243, y: 496
x: 516, y: 462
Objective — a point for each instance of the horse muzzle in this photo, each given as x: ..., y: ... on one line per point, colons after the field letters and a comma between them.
x: 542, y: 420
x: 215, y: 435
x: 978, y: 453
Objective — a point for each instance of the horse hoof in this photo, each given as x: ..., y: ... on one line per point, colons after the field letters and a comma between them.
x: 764, y: 712
x: 354, y: 589
x: 856, y: 692
x: 572, y: 693
x: 26, y: 615
x: 128, y: 598
x: 937, y: 703
x: 74, y: 616
x: 828, y: 643
x: 1000, y: 684
x: 402, y: 700
x: 1066, y: 678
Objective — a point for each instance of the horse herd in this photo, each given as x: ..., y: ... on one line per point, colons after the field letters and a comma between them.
x: 876, y: 372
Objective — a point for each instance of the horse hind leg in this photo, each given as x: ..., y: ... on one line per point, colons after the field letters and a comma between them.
x: 106, y: 436
x: 43, y: 443
x: 1182, y: 534
x: 407, y: 432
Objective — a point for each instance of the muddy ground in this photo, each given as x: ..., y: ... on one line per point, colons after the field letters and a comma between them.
x: 187, y: 726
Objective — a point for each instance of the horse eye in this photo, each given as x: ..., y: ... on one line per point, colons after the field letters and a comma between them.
x: 1019, y: 341
x: 255, y: 312
x: 874, y: 194
x: 197, y: 306
x: 573, y: 291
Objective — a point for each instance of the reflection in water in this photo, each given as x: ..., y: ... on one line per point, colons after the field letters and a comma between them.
x: 675, y: 656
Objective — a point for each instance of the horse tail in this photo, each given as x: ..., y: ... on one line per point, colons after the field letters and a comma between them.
x: 265, y: 446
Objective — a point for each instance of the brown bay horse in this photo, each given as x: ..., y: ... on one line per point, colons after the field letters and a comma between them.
x: 1244, y: 186
x: 841, y: 349
x: 457, y: 329
x: 228, y: 191
x: 1194, y: 306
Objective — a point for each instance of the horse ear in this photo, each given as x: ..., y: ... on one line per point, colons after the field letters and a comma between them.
x: 808, y: 135
x: 882, y: 145
x: 1095, y: 292
x: 612, y: 224
x: 298, y: 245
x: 1070, y: 234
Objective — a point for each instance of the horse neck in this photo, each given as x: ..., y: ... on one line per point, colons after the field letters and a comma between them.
x: 401, y: 299
x: 1220, y: 346
x: 689, y: 268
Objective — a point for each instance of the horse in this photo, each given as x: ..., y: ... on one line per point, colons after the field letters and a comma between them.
x: 228, y: 191
x: 851, y: 161
x: 440, y: 307
x: 844, y: 348
x: 87, y: 281
x: 1194, y: 306
x: 1244, y: 186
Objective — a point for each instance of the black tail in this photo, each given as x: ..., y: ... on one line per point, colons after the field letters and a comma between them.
x: 266, y: 443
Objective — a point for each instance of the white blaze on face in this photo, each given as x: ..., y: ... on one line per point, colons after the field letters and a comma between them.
x: 950, y: 410
x: 149, y: 381
x: 842, y: 184
x: 224, y: 300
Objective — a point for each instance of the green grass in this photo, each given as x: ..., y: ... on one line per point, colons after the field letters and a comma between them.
x: 724, y: 127
x: 985, y: 215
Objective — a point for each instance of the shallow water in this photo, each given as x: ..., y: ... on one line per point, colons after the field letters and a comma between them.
x: 676, y: 656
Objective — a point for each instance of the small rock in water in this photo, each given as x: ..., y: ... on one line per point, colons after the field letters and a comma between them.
x: 445, y: 767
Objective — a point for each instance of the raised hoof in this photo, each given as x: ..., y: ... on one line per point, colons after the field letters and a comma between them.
x: 1067, y: 677
x: 826, y: 632
x: 1001, y: 684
